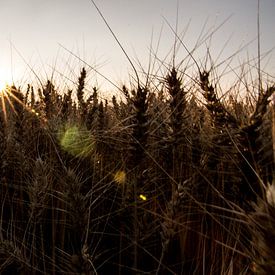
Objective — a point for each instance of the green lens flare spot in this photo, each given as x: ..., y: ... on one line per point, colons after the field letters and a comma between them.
x: 76, y: 141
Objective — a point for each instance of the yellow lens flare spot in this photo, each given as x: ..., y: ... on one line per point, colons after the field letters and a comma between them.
x: 120, y: 177
x: 142, y: 197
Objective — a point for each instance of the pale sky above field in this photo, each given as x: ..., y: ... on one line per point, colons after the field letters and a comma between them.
x: 34, y: 32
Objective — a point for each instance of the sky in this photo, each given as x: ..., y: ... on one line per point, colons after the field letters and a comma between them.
x: 55, y: 38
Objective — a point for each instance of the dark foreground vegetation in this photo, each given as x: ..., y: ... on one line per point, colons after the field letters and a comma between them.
x: 169, y: 180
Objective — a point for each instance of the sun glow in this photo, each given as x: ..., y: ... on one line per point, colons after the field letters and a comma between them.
x: 2, y: 99
x: 5, y: 79
x: 3, y: 86
x: 8, y: 99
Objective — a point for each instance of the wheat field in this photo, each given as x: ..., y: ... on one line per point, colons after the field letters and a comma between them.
x: 173, y: 180
x: 175, y: 175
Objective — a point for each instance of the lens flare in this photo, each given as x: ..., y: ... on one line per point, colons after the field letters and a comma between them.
x: 120, y: 177
x: 142, y: 197
x: 76, y: 140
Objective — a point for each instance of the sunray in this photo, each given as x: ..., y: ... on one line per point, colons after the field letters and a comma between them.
x: 8, y: 96
x: 3, y: 104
